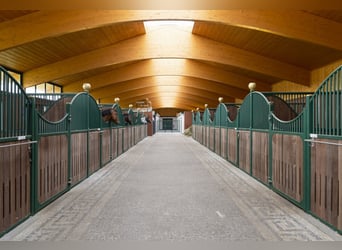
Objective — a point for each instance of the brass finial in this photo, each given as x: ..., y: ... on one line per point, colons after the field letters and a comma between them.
x: 252, y: 86
x: 86, y: 86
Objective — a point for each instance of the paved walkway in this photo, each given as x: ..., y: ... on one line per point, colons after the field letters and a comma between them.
x: 169, y: 187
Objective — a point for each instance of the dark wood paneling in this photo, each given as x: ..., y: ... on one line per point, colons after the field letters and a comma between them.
x: 260, y: 156
x: 115, y: 132
x: 244, y: 150
x: 211, y: 136
x: 125, y: 139
x: 224, y: 142
x: 232, y: 145
x: 326, y: 187
x: 79, y: 157
x: 14, y: 184
x: 52, y: 166
x: 287, y: 165
x: 106, y: 140
x: 207, y: 136
x: 217, y: 141
x: 94, y: 151
x: 120, y: 140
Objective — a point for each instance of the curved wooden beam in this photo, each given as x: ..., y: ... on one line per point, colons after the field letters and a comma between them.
x: 172, y: 91
x: 165, y: 101
x: 180, y: 81
x: 166, y: 43
x: 280, y: 22
x: 164, y: 67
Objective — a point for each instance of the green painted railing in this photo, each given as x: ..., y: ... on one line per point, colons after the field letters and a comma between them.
x: 14, y: 109
x: 45, y: 102
x: 295, y: 101
x: 326, y: 106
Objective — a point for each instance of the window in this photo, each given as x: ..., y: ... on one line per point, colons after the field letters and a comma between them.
x: 44, y: 88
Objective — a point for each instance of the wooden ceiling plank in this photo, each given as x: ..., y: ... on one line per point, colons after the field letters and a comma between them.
x: 165, y: 96
x: 162, y: 44
x: 172, y: 90
x: 158, y: 102
x: 39, y: 25
x: 170, y: 81
x: 165, y: 67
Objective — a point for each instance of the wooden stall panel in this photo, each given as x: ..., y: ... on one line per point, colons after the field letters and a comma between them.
x: 207, y: 136
x: 326, y: 187
x: 232, y: 146
x: 139, y: 133
x: 211, y: 135
x: 217, y: 144
x: 14, y: 184
x: 260, y: 156
x: 244, y: 150
x: 115, y: 142
x: 120, y: 140
x: 195, y: 132
x: 78, y: 157
x: 199, y: 133
x: 94, y: 151
x: 125, y: 139
x: 135, y: 134
x: 143, y: 132
x: 106, y: 141
x: 52, y: 166
x: 204, y: 135
x: 130, y: 137
x: 224, y: 142
x: 287, y: 165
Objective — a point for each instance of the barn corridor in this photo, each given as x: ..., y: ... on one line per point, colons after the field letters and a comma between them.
x: 169, y: 187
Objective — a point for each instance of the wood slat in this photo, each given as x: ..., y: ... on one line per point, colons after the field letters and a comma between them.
x: 232, y: 145
x: 94, y: 151
x: 52, y: 166
x: 52, y: 49
x: 224, y: 142
x: 131, y: 50
x: 106, y: 142
x: 287, y: 165
x: 115, y: 142
x: 217, y: 139
x: 244, y: 151
x: 268, y: 44
x: 326, y: 188
x: 260, y: 156
x: 79, y: 157
x: 14, y: 184
x: 211, y: 138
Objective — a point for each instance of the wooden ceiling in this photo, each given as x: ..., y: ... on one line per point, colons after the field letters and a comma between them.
x: 174, y: 68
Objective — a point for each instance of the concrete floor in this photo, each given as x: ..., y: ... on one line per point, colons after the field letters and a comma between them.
x: 169, y: 187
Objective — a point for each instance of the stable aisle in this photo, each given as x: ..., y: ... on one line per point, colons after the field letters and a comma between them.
x: 169, y: 187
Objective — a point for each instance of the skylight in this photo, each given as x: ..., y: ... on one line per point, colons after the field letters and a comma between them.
x: 183, y: 25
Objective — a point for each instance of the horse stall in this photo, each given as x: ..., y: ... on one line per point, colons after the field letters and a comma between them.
x: 290, y: 142
x: 325, y: 150
x: 15, y: 152
x: 51, y: 142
